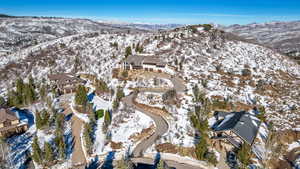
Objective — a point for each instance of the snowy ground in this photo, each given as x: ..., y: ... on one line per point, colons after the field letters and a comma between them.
x: 20, y: 145
x: 124, y: 124
x: 150, y: 98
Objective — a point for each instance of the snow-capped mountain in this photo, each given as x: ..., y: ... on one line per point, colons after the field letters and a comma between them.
x: 282, y: 36
x: 21, y: 32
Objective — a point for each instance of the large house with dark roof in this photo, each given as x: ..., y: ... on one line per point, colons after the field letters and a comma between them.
x: 145, y: 62
x: 10, y: 123
x: 65, y: 82
x: 236, y: 128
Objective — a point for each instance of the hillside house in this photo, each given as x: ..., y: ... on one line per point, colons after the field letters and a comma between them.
x: 10, y: 124
x: 144, y: 62
x: 236, y: 128
x: 66, y: 82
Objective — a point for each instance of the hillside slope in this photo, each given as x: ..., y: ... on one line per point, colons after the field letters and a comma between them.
x: 21, y: 32
x: 245, y: 74
x: 282, y: 36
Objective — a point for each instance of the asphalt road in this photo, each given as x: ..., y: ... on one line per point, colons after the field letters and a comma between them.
x: 161, y: 128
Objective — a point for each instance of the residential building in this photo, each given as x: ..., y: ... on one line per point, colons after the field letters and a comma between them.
x: 145, y: 62
x: 10, y: 124
x: 236, y: 128
x: 66, y: 82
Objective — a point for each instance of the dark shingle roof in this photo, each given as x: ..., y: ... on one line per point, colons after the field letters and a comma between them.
x: 244, y: 124
x: 138, y: 60
x: 65, y: 78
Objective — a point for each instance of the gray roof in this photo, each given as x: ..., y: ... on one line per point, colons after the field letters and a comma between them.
x: 138, y: 60
x: 243, y: 124
x: 7, y: 115
x: 135, y: 60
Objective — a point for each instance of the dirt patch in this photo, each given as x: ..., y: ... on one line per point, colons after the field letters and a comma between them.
x: 153, y: 110
x: 174, y: 149
x: 143, y: 134
x: 115, y: 145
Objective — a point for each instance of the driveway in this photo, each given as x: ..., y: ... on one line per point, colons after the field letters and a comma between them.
x: 161, y: 127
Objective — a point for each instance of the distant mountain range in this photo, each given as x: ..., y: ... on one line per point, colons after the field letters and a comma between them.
x: 20, y: 32
x: 281, y: 36
x: 144, y: 26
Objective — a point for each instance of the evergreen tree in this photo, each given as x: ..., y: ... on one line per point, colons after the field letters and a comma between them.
x: 31, y: 82
x: 43, y: 92
x: 59, y: 121
x: 48, y: 152
x: 36, y: 151
x: 128, y: 51
x: 46, y: 118
x: 20, y: 91
x: 29, y: 94
x: 116, y: 104
x: 120, y: 94
x: 137, y: 47
x: 38, y: 120
x: 62, y: 148
x: 2, y: 101
x: 244, y: 155
x: 201, y: 149
x: 88, y: 136
x: 19, y: 85
x: 196, y: 92
x: 107, y: 118
x: 81, y: 96
x: 160, y: 164
x: 59, y: 137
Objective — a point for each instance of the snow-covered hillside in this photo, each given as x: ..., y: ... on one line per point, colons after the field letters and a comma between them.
x: 21, y: 32
x: 244, y: 74
x: 282, y: 36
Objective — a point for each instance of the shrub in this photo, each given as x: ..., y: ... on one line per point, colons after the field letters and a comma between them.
x: 244, y: 155
x: 168, y: 95
x: 125, y: 74
x: 128, y: 51
x: 262, y: 114
x: 211, y: 158
x: 207, y: 27
x: 246, y: 72
x: 99, y: 114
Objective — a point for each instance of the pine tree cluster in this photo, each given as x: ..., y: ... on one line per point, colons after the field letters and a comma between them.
x: 24, y: 94
x: 51, y: 152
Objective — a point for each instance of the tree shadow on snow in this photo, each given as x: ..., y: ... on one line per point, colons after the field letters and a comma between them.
x: 94, y: 164
x: 69, y: 117
x: 24, y: 115
x: 108, y: 162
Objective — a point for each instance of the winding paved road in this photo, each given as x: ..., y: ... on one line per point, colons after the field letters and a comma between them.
x: 161, y: 128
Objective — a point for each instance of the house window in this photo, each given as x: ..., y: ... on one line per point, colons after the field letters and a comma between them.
x: 7, y: 123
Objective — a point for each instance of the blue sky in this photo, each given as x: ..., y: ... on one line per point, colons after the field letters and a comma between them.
x: 160, y: 11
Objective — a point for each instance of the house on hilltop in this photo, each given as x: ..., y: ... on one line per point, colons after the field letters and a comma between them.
x: 236, y: 128
x: 144, y: 62
x: 66, y: 82
x: 10, y: 124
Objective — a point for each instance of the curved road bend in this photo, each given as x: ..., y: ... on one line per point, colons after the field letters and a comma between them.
x: 161, y: 128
